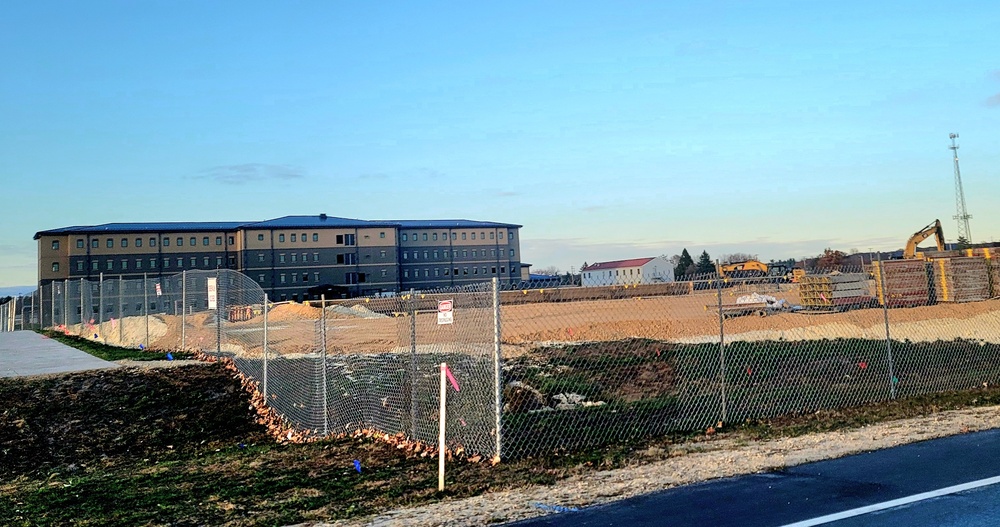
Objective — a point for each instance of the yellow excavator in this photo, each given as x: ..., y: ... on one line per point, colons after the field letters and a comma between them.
x: 934, y: 229
x: 755, y: 269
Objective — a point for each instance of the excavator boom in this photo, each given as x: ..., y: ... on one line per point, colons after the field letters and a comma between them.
x: 934, y: 229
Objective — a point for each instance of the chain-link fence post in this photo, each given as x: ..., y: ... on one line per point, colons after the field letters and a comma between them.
x: 82, y: 310
x: 65, y: 304
x: 100, y: 307
x: 413, y: 364
x: 121, y: 310
x: 322, y: 325
x: 218, y: 318
x: 184, y: 310
x: 145, y: 307
x: 497, y: 381
x: 264, y: 384
x: 722, y: 345
x: 888, y: 338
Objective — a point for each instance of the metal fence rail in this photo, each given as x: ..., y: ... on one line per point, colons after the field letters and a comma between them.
x: 548, y: 370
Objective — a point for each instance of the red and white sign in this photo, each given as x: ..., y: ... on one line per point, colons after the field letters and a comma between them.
x: 212, y: 297
x: 158, y: 290
x: 445, y: 313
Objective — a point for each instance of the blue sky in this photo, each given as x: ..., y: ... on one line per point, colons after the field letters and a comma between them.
x: 609, y: 130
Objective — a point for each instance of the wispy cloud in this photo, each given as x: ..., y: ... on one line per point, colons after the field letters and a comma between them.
x: 249, y: 173
x: 994, y: 100
x: 507, y: 194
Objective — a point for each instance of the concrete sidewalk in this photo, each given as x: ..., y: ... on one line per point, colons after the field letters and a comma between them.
x: 24, y: 353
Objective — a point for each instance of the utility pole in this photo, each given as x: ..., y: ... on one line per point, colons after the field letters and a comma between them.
x: 962, y: 215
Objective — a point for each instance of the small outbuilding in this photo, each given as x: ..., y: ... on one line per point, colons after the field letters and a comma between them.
x: 628, y: 272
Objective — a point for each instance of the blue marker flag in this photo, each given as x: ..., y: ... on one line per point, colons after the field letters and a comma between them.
x: 170, y: 356
x: 357, y: 465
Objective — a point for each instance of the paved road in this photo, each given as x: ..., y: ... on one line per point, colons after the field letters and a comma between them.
x: 804, y: 494
x: 24, y: 353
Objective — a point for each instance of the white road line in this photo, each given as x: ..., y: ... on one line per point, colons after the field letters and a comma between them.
x: 896, y: 503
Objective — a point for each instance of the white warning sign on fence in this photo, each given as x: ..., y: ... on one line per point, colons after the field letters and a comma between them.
x: 159, y: 292
x: 445, y: 313
x: 212, y: 299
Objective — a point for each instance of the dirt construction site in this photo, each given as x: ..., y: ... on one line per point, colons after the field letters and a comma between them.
x: 692, y: 318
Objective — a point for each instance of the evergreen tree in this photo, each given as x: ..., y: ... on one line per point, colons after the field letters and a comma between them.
x: 705, y: 264
x: 684, y: 264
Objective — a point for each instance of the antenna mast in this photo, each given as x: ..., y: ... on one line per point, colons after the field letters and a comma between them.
x: 962, y: 215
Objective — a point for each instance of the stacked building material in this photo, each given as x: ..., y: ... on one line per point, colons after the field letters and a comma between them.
x: 994, y: 267
x: 834, y: 291
x: 964, y: 279
x: 903, y: 283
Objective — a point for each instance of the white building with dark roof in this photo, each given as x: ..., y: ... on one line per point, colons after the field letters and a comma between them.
x: 628, y: 272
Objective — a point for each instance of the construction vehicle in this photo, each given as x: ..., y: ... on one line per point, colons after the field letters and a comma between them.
x: 934, y: 229
x: 754, y: 269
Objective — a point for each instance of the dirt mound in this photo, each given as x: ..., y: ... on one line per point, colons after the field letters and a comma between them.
x: 126, y: 413
x: 292, y: 311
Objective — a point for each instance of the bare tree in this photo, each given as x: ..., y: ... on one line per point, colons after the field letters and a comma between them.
x: 550, y: 271
x: 738, y: 257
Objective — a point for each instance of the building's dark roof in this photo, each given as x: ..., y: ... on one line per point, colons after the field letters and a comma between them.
x: 286, y: 222
x: 185, y: 226
x: 321, y: 220
x: 452, y: 224
x: 617, y: 264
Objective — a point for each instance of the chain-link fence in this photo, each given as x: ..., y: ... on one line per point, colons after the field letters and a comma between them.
x: 544, y: 370
x: 20, y: 312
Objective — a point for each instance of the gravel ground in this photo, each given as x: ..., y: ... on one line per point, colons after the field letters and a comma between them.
x: 692, y: 463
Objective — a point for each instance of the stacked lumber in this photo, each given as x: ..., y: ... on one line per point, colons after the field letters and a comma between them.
x: 964, y: 279
x: 902, y: 283
x: 834, y: 290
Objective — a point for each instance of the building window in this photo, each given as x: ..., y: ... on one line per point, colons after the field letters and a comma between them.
x: 260, y: 237
x: 316, y: 276
x: 166, y: 241
x: 416, y: 255
x: 138, y: 263
x: 55, y: 245
x: 381, y: 234
x: 218, y: 240
x: 55, y: 267
x: 315, y: 237
x: 232, y: 240
x: 465, y: 253
x: 406, y: 273
x: 475, y: 270
x: 427, y: 273
x: 482, y: 235
x: 434, y: 236
x: 383, y: 273
x: 474, y: 253
x: 463, y: 235
x: 204, y: 262
x: 437, y: 271
x: 381, y: 254
x: 110, y: 243
x: 284, y: 297
x: 503, y: 269
x: 180, y: 241
x: 484, y: 269
x: 425, y: 236
x: 295, y: 277
x: 281, y: 278
x: 435, y: 255
x: 281, y: 237
x: 465, y: 270
x: 305, y: 277
x: 138, y: 242
x: 293, y: 239
x: 315, y: 257
x: 453, y: 236
x: 94, y: 265
x: 447, y: 271
x: 500, y: 235
x: 295, y: 257
x: 218, y: 261
x: 454, y: 254
x: 152, y: 242
x: 493, y: 270
x: 260, y: 257
x: 194, y: 241
x: 352, y: 278
x: 455, y: 271
x: 406, y: 255
x: 79, y: 243
x: 111, y: 265
x: 93, y: 243
x: 510, y: 235
x: 493, y: 252
x: 426, y: 254
x: 349, y: 239
x: 491, y: 235
x: 260, y: 279
x: 232, y: 261
x: 124, y: 242
x: 473, y: 236
x: 166, y: 262
x: 512, y: 253
x: 79, y: 265
x: 152, y: 263
x: 281, y: 258
x: 404, y: 237
x: 194, y: 262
